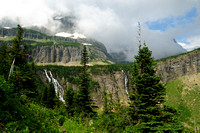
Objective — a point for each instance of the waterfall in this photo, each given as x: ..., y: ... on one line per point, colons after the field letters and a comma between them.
x: 125, y: 83
x: 58, y: 88
x: 11, y: 68
x: 47, y: 75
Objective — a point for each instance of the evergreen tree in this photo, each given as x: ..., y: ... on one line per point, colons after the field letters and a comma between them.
x: 4, y: 61
x: 23, y: 76
x: 69, y: 97
x: 19, y: 49
x: 85, y: 100
x: 147, y: 97
x: 71, y: 101
x: 44, y: 95
x: 52, y: 99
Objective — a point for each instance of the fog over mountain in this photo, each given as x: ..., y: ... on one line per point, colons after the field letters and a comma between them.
x: 113, y: 22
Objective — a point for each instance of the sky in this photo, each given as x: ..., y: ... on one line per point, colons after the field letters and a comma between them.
x: 115, y: 22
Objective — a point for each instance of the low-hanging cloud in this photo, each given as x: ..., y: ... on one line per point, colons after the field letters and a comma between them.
x: 112, y: 22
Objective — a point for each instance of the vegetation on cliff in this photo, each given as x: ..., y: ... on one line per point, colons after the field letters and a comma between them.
x: 26, y: 102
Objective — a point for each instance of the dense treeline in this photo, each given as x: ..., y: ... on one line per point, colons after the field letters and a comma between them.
x: 20, y: 87
x: 29, y: 105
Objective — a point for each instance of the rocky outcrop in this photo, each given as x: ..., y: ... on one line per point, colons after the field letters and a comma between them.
x: 173, y: 68
x: 63, y: 54
x: 112, y: 83
x: 45, y: 49
x: 52, y: 54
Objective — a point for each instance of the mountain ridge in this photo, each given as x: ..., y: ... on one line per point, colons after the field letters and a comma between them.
x: 48, y: 49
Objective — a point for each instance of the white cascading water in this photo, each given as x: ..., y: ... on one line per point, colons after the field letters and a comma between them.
x: 58, y: 88
x: 11, y: 68
x: 125, y: 83
x: 47, y: 75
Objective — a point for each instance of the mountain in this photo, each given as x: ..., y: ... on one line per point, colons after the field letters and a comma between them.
x: 179, y: 73
x: 115, y: 78
x: 177, y: 66
x: 46, y: 49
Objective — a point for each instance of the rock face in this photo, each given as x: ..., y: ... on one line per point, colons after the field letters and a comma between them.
x: 52, y: 54
x: 179, y: 66
x: 114, y: 84
x: 170, y: 69
x: 45, y: 49
x: 63, y: 54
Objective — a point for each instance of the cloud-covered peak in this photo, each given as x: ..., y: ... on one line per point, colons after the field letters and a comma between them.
x: 112, y: 22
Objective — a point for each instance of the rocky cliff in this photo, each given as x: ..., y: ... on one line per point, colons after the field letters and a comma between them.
x: 178, y: 66
x: 63, y: 55
x: 116, y: 81
x: 45, y: 49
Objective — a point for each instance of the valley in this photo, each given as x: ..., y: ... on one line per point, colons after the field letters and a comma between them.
x: 59, y: 58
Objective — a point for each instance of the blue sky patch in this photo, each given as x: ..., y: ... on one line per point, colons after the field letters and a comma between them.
x: 171, y: 22
x: 182, y: 40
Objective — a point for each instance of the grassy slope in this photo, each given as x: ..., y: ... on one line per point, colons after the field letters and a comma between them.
x: 175, y: 56
x: 184, y: 94
x: 32, y: 43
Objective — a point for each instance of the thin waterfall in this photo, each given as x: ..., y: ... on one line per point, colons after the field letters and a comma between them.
x: 11, y: 68
x: 49, y: 79
x: 58, y: 88
x: 125, y: 83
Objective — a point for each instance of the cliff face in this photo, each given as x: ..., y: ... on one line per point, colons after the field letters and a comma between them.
x: 63, y: 54
x: 45, y: 49
x: 52, y: 54
x: 173, y: 68
x: 115, y: 81
x: 114, y: 84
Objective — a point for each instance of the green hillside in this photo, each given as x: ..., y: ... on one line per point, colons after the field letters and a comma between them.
x: 31, y: 96
x: 184, y: 94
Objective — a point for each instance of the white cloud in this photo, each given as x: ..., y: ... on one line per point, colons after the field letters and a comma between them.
x: 113, y: 22
x: 193, y: 43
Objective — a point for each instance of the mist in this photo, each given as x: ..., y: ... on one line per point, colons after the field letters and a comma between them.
x: 114, y: 22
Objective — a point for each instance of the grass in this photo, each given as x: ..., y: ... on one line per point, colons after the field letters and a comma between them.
x: 33, y: 43
x: 175, y: 56
x: 183, y: 94
x: 78, y: 127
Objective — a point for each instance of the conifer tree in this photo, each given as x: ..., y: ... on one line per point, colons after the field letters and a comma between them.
x: 23, y: 77
x: 147, y: 96
x: 70, y: 100
x: 147, y: 91
x: 85, y: 101
x: 19, y: 49
x: 4, y: 61
x: 52, y: 100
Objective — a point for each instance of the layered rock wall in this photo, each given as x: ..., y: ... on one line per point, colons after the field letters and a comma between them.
x: 176, y: 67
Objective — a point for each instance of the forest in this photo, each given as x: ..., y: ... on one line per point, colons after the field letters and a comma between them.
x: 30, y: 105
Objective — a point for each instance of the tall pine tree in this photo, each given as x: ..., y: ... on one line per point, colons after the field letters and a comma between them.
x: 23, y: 77
x: 19, y: 49
x: 4, y: 61
x: 147, y: 96
x: 85, y: 101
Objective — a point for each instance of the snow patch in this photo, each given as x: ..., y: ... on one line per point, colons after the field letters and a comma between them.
x: 87, y: 44
x: 7, y: 27
x: 74, y: 35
